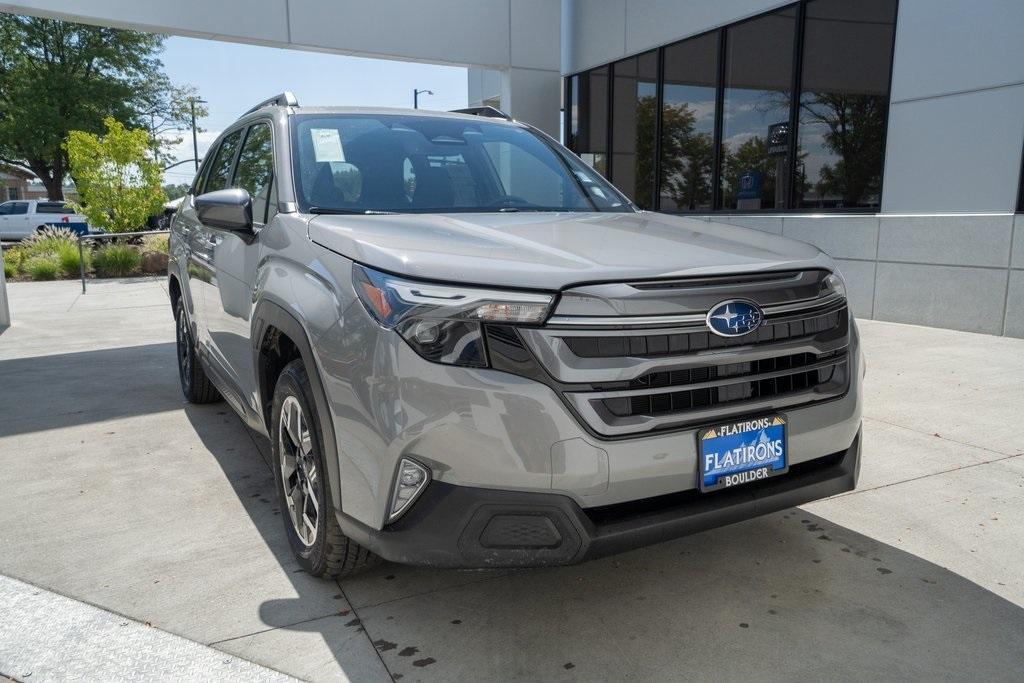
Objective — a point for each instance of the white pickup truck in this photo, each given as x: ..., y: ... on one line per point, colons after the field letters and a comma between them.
x: 23, y: 217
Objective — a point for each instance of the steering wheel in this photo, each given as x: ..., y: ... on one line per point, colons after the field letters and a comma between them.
x: 510, y: 200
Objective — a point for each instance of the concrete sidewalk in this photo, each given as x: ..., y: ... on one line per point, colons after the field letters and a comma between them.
x: 117, y: 494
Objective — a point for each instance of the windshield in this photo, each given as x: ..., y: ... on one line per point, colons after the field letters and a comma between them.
x: 361, y: 163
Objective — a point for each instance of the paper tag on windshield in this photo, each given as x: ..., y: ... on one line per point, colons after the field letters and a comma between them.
x: 327, y: 144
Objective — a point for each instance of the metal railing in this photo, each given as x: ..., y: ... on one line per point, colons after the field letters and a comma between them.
x: 103, y: 236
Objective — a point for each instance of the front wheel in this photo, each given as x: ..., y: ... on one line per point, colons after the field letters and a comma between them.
x: 303, y: 490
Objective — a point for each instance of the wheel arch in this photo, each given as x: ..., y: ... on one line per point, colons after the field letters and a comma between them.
x: 277, y: 338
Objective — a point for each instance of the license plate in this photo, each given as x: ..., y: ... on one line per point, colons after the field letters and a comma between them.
x: 740, y: 452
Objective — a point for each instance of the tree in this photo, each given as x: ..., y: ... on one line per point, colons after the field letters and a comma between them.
x: 173, y: 191
x: 166, y: 110
x: 57, y: 76
x: 117, y: 181
x: 686, y: 158
x: 854, y: 132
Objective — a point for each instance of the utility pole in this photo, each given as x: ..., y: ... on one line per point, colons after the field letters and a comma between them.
x: 195, y: 143
x: 192, y: 102
x: 416, y: 97
x: 152, y: 130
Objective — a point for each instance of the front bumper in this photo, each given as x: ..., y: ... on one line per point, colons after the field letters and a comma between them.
x: 462, y: 526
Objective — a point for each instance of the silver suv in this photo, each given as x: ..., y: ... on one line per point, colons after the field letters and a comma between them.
x: 468, y: 349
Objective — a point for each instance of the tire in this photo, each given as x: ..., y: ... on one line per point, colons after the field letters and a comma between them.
x: 194, y: 383
x: 303, y: 489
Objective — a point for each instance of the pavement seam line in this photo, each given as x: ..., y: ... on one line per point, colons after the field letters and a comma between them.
x: 366, y: 631
x: 938, y: 436
x: 925, y: 476
x: 215, y: 643
x: 438, y: 590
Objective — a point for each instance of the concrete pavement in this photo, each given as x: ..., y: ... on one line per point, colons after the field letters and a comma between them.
x: 117, y: 494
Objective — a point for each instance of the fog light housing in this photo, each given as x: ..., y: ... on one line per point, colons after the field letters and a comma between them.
x: 410, y: 481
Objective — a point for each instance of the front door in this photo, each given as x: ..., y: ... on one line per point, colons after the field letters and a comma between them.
x: 202, y: 273
x: 229, y: 302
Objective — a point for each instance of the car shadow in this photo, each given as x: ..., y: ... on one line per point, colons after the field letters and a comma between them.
x: 783, y: 596
x: 68, y: 389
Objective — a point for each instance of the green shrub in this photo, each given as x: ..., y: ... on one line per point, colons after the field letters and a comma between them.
x: 67, y: 257
x: 116, y: 260
x: 42, y: 267
x: 10, y: 270
x: 49, y: 240
x: 155, y: 243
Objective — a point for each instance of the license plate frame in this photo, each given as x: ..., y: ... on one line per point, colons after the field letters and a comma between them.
x: 718, y: 445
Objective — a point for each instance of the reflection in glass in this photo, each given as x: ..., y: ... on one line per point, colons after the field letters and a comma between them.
x: 634, y: 94
x: 588, y: 122
x: 688, y: 124
x: 843, y: 101
x: 256, y: 169
x: 758, y: 73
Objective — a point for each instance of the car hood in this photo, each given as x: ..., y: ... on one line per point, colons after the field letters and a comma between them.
x: 552, y: 251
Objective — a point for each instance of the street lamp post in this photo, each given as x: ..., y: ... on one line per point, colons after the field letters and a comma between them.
x: 192, y: 101
x: 416, y: 97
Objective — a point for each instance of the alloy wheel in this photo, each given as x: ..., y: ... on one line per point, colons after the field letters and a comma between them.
x: 184, y: 340
x: 299, y: 474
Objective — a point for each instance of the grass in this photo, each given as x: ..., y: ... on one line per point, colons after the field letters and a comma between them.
x: 10, y: 269
x: 155, y: 243
x: 67, y: 257
x: 116, y: 260
x: 48, y: 241
x: 41, y: 267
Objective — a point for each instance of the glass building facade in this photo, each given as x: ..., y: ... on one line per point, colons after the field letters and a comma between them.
x: 785, y: 111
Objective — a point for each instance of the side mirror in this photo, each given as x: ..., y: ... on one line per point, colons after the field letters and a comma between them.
x: 226, y: 209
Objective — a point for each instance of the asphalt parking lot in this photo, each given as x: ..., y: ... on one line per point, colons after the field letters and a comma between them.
x: 116, y: 494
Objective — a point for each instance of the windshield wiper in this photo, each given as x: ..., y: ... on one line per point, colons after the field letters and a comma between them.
x: 348, y: 212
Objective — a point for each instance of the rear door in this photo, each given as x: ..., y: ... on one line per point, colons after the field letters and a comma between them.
x: 234, y: 258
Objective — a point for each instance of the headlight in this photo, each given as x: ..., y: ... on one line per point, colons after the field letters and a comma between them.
x: 442, y: 322
x: 834, y: 283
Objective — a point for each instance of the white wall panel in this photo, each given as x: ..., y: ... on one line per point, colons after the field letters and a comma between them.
x: 960, y: 153
x: 947, y: 46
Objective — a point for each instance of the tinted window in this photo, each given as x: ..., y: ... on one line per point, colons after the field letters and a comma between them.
x: 634, y: 110
x: 220, y: 169
x: 755, y: 118
x: 588, y: 118
x: 688, y: 124
x: 18, y: 208
x: 256, y: 169
x: 398, y: 163
x: 6, y: 208
x: 843, y: 102
x: 50, y: 207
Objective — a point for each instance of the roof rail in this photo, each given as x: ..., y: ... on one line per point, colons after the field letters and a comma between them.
x: 489, y: 112
x: 285, y: 99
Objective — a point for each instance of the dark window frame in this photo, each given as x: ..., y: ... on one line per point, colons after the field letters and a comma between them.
x: 1020, y: 185
x: 800, y: 7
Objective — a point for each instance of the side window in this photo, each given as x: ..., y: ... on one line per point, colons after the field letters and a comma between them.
x: 255, y: 172
x: 19, y: 208
x: 204, y: 170
x: 220, y: 169
x: 6, y: 208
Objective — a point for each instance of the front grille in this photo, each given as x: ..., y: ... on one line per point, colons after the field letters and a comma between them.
x: 770, y: 378
x: 676, y: 344
x: 647, y: 371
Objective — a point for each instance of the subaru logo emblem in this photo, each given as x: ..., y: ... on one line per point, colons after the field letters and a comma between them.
x: 734, y: 318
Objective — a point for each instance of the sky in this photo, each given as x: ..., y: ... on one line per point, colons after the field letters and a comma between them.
x: 233, y: 78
